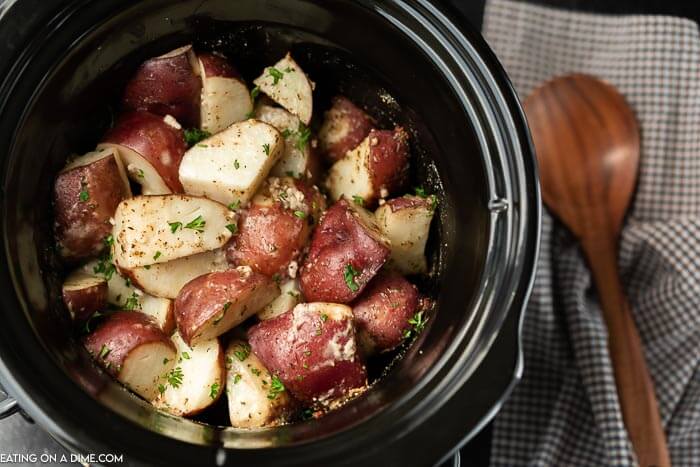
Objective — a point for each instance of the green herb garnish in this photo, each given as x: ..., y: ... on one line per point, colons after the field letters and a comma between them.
x: 236, y: 378
x: 300, y: 214
x: 359, y: 200
x: 420, y: 191
x: 235, y: 205
x: 157, y: 255
x: 186, y: 355
x: 349, y: 275
x: 140, y: 173
x: 174, y: 226
x: 276, y: 388
x: 195, y: 135
x: 161, y: 389
x: 242, y: 352
x: 132, y: 302
x: 197, y: 224
x: 214, y: 391
x: 303, y: 135
x: 266, y: 149
x: 104, y: 351
x: 175, y: 377
x: 324, y: 317
x: 233, y: 228
x: 417, y: 323
x: 276, y: 75
x: 255, y: 371
x: 84, y: 195
x: 236, y: 164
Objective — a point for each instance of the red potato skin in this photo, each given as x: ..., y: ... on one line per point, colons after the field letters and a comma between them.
x: 384, y: 308
x: 343, y: 114
x: 409, y: 202
x: 83, y: 303
x: 216, y: 65
x: 389, y: 157
x: 204, y: 297
x: 337, y: 241
x: 158, y: 142
x: 121, y: 333
x: 81, y: 226
x: 166, y: 86
x: 293, y: 349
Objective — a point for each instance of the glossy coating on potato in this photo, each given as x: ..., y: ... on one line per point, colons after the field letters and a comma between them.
x: 312, y: 349
x: 84, y: 295
x: 210, y: 305
x: 344, y: 127
x: 85, y: 198
x: 383, y: 310
x: 347, y: 249
x: 167, y: 85
x: 157, y: 140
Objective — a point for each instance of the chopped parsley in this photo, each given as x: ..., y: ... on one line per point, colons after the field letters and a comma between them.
x: 235, y: 205
x: 255, y: 371
x: 195, y: 135
x: 175, y: 377
x: 84, y: 195
x: 95, y: 316
x: 276, y: 388
x: 140, y: 173
x: 300, y: 214
x: 132, y: 302
x: 186, y: 355
x: 324, y: 317
x: 359, y: 200
x: 197, y: 224
x: 227, y: 305
x: 434, y: 204
x: 214, y: 391
x: 161, y: 389
x: 275, y: 74
x: 127, y: 282
x: 286, y: 133
x: 109, y: 240
x: 254, y: 93
x: 105, y: 267
x: 303, y: 135
x: 277, y: 278
x: 165, y: 361
x: 266, y: 149
x: 157, y: 255
x: 349, y: 275
x: 242, y: 352
x: 236, y: 164
x: 420, y: 191
x: 233, y: 228
x: 174, y: 226
x: 104, y: 351
x: 417, y: 323
x: 236, y: 378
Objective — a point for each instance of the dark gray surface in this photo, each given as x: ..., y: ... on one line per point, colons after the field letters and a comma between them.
x: 18, y: 436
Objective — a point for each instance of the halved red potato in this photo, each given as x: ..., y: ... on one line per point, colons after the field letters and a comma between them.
x: 289, y: 297
x: 300, y: 159
x: 347, y: 249
x: 167, y: 279
x: 344, y: 127
x: 276, y: 227
x: 287, y: 84
x: 406, y: 223
x: 133, y: 349
x: 86, y: 194
x: 122, y: 293
x: 167, y: 85
x: 312, y: 349
x: 196, y: 381
x: 383, y: 311
x: 210, y: 305
x: 375, y: 169
x: 151, y: 147
x: 255, y: 398
x: 230, y: 166
x: 225, y: 97
x: 157, y: 229
x: 84, y: 295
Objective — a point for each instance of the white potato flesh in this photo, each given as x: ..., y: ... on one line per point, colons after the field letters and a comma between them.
x: 201, y: 368
x: 166, y: 279
x: 80, y: 280
x: 101, y: 153
x: 294, y: 162
x: 287, y: 84
x: 350, y: 176
x: 289, y: 297
x: 230, y: 166
x: 224, y: 101
x: 139, y: 170
x: 407, y: 229
x: 157, y: 229
x: 143, y: 368
x: 248, y: 387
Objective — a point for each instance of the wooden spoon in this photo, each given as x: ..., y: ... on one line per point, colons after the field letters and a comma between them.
x: 587, y: 144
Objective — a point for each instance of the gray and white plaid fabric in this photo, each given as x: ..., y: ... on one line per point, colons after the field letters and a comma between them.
x: 565, y: 411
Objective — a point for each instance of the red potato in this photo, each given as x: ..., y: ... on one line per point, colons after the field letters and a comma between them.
x: 347, y: 249
x: 84, y: 295
x: 312, y: 349
x: 133, y: 349
x: 300, y: 158
x: 375, y: 169
x: 86, y: 194
x: 255, y: 398
x: 167, y: 85
x: 289, y: 297
x: 406, y: 223
x: 276, y: 227
x: 287, y: 84
x: 210, y: 305
x: 230, y: 166
x: 383, y: 311
x: 225, y: 97
x: 344, y: 127
x: 157, y: 229
x: 151, y: 148
x: 196, y: 381
x: 167, y: 279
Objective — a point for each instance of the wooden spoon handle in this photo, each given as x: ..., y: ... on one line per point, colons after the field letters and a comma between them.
x: 635, y: 389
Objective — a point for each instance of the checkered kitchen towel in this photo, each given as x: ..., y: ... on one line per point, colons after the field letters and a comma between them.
x: 565, y: 411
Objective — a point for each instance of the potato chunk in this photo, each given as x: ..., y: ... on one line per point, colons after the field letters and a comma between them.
x: 287, y: 84
x: 344, y: 127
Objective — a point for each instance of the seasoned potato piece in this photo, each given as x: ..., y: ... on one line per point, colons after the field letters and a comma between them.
x: 230, y: 166
x: 255, y: 398
x: 287, y: 84
x: 406, y: 223
x: 157, y: 229
x: 375, y: 169
x: 347, y: 249
x: 132, y: 348
x: 312, y: 350
x: 344, y: 127
x: 84, y: 295
x: 211, y: 304
x: 196, y: 380
x: 289, y: 297
x: 167, y: 85
x: 225, y: 97
x: 86, y: 194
